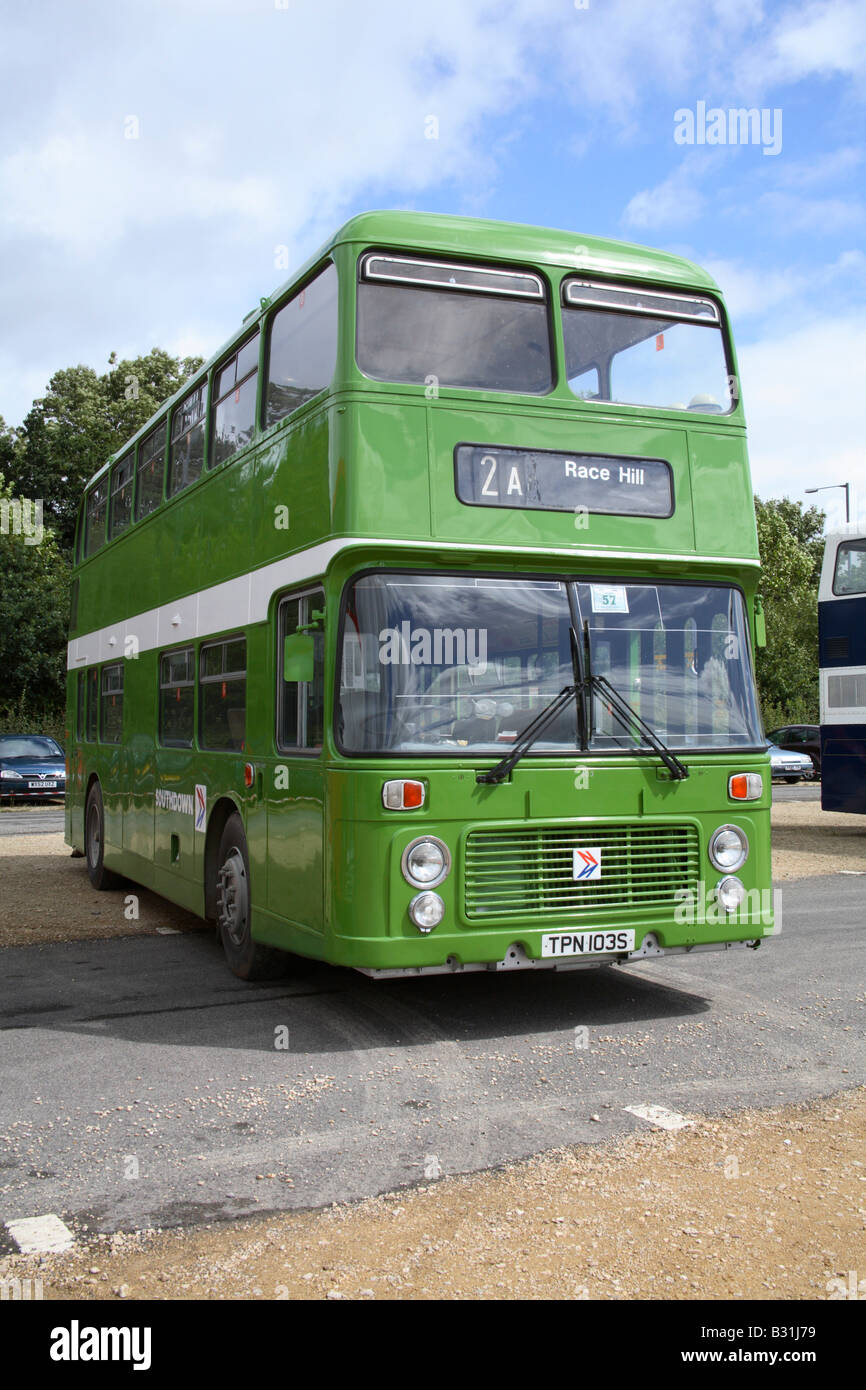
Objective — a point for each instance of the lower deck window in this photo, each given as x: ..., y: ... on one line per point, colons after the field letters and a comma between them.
x: 223, y: 694
x: 111, y: 713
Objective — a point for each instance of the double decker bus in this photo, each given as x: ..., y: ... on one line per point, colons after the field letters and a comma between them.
x: 842, y: 663
x: 415, y: 633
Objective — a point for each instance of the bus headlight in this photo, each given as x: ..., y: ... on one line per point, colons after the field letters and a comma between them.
x: 731, y: 894
x: 425, y: 862
x: 728, y: 848
x: 427, y: 911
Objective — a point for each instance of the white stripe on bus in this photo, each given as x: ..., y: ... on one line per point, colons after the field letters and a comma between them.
x: 239, y: 602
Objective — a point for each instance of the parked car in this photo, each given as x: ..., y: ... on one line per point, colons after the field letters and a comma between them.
x: 799, y: 738
x: 32, y: 767
x: 790, y: 767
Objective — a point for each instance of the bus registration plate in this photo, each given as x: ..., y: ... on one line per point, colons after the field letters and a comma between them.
x: 587, y: 943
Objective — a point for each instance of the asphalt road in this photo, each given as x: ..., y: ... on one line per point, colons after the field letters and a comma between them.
x: 31, y: 820
x: 142, y: 1085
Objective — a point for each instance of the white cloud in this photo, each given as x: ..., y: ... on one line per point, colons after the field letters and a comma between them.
x: 822, y: 39
x: 673, y: 202
x: 803, y: 393
x: 751, y: 291
x: 824, y: 216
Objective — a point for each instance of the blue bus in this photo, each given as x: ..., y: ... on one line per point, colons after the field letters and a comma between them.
x: 842, y: 662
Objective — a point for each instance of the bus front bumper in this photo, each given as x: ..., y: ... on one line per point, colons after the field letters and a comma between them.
x: 515, y: 958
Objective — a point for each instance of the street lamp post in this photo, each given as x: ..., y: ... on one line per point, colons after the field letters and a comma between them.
x: 829, y: 488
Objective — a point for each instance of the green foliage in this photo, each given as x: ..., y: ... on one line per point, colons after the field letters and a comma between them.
x: 34, y: 610
x: 23, y: 717
x: 79, y: 423
x: 792, y: 546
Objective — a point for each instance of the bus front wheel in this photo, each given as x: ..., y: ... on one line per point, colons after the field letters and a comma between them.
x: 94, y: 843
x: 245, y: 957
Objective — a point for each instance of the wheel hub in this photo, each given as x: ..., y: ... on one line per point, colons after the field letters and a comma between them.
x: 232, y: 897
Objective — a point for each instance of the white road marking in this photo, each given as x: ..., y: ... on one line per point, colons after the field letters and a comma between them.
x: 40, y: 1235
x: 659, y: 1116
x: 168, y: 931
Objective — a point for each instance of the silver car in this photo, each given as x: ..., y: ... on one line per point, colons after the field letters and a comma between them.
x: 790, y: 767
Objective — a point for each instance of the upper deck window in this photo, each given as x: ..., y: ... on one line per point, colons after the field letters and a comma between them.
x: 186, y: 454
x: 94, y: 535
x: 151, y: 459
x: 234, y: 410
x: 850, y: 575
x: 477, y: 327
x: 120, y: 508
x: 631, y: 346
x: 302, y: 346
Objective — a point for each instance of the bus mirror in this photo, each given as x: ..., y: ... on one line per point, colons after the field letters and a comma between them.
x: 298, y: 657
x: 760, y: 623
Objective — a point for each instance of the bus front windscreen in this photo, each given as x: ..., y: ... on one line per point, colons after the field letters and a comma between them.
x: 446, y: 663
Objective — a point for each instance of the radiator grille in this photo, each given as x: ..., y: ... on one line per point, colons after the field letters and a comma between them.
x: 529, y: 872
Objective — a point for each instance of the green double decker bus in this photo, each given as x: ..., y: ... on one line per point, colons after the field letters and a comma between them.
x: 415, y: 634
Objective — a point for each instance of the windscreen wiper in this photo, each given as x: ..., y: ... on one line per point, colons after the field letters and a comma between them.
x: 529, y: 735
x: 629, y: 718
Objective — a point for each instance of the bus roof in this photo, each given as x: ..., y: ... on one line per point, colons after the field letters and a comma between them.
x: 477, y: 237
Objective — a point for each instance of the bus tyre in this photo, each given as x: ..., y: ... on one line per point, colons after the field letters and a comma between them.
x: 246, y: 958
x: 94, y: 843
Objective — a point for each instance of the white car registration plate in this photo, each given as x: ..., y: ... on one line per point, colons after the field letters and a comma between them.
x: 37, y: 786
x: 587, y: 943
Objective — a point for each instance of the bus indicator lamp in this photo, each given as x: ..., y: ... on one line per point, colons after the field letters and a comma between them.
x: 426, y: 911
x: 746, y: 786
x: 249, y: 774
x: 402, y: 795
x: 730, y: 894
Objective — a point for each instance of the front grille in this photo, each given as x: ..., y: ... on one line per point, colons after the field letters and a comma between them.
x: 529, y: 872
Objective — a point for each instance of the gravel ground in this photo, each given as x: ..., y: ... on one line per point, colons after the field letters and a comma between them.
x: 763, y: 1205
x: 808, y: 841
x: 45, y: 895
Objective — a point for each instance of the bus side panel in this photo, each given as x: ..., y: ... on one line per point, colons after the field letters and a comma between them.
x: 843, y: 767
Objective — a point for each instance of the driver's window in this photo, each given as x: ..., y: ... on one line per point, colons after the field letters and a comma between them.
x: 301, y: 704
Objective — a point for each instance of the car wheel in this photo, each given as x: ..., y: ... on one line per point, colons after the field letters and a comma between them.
x: 245, y: 957
x: 94, y: 843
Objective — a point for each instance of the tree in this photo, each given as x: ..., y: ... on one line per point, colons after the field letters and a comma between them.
x: 791, y: 546
x: 34, y: 609
x: 80, y: 422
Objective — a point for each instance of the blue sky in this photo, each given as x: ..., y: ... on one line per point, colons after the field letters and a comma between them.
x: 261, y: 124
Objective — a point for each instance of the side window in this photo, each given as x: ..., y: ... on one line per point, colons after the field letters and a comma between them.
x: 186, y: 455
x: 92, y: 703
x: 302, y: 346
x: 223, y: 694
x: 177, y: 698
x: 234, y: 409
x: 80, y: 704
x: 111, y: 713
x: 151, y: 458
x: 94, y: 530
x: 120, y: 506
x: 301, y: 705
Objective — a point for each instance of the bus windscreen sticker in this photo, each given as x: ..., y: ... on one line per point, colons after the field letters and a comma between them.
x: 609, y: 598
x: 542, y: 480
